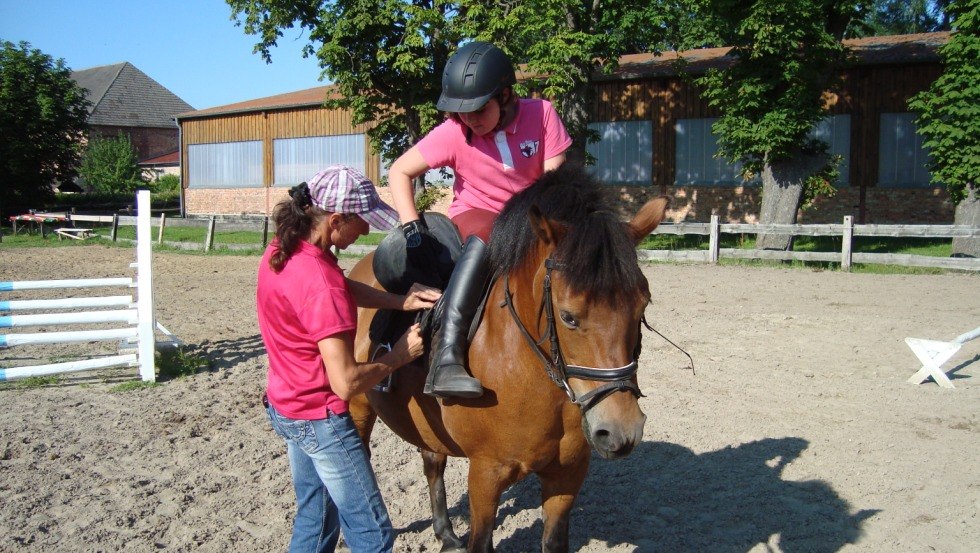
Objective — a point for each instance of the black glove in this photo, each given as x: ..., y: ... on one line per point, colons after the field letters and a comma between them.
x: 423, y: 252
x: 413, y: 231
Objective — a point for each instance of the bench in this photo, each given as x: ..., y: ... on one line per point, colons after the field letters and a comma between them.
x: 73, y: 233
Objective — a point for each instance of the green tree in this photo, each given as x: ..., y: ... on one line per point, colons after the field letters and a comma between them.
x: 904, y: 17
x: 949, y: 118
x: 386, y: 57
x: 42, y: 123
x: 787, y: 53
x: 110, y: 165
x: 567, y: 42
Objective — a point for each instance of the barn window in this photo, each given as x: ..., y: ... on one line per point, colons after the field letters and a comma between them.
x: 624, y: 152
x: 835, y: 130
x: 225, y: 165
x: 902, y: 158
x: 696, y: 152
x: 298, y: 159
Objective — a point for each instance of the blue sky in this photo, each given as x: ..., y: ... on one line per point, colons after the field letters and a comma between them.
x: 191, y: 47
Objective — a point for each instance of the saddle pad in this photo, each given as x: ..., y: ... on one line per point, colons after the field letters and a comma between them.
x: 396, y: 272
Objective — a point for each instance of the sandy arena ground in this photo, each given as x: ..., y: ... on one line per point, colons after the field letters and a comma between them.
x: 798, y: 433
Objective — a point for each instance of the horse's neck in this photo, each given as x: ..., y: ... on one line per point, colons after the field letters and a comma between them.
x: 523, y: 292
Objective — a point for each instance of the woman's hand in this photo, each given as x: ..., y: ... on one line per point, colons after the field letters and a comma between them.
x: 420, y: 296
x: 410, y: 346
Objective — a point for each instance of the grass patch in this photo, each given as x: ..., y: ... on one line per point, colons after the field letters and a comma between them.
x: 32, y: 382
x: 178, y: 362
x: 131, y: 386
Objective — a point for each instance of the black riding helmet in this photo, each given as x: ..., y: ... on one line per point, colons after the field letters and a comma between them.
x: 473, y: 75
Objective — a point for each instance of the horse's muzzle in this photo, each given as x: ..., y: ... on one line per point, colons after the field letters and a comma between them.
x: 613, y: 439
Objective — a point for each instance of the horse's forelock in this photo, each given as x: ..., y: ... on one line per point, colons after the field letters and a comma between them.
x: 596, y: 251
x: 598, y: 260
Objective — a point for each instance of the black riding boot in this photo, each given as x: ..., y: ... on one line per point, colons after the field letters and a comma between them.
x: 447, y: 367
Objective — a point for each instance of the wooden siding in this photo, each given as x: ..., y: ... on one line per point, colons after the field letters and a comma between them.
x: 865, y: 93
x: 267, y: 126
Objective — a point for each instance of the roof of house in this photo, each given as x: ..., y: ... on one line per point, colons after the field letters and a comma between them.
x: 878, y: 50
x: 171, y: 159
x: 122, y: 95
x: 300, y: 98
x: 881, y: 50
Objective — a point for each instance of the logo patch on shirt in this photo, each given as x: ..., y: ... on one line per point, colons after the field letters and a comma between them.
x: 530, y: 147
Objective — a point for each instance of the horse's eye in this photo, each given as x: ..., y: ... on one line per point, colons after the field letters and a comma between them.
x: 568, y: 319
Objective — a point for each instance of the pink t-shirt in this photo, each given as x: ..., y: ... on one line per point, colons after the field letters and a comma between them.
x: 493, y: 168
x: 305, y: 303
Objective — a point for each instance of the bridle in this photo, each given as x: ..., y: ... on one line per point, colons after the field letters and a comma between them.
x: 616, y: 379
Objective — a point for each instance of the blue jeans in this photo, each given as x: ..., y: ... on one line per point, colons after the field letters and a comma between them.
x: 335, y: 486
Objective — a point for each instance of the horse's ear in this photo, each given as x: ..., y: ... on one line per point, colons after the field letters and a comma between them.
x: 648, y: 217
x: 546, y: 231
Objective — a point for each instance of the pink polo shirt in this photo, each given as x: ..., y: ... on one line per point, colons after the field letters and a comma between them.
x: 493, y: 168
x: 305, y: 303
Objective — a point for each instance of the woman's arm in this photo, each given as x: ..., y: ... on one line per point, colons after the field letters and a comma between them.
x: 349, y: 378
x: 418, y: 297
x: 407, y: 167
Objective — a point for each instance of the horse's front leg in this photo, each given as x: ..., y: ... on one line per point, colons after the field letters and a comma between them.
x: 434, y: 465
x: 487, y: 481
x: 558, y: 492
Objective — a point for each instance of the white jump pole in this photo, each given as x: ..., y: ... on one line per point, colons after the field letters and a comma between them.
x: 146, y: 349
x: 65, y: 283
x: 119, y: 316
x: 142, y: 317
x: 70, y: 366
x: 67, y: 303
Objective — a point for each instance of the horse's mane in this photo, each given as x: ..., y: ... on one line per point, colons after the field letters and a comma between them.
x: 597, y: 254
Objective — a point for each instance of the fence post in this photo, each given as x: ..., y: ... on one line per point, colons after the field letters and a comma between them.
x: 209, y: 239
x: 163, y: 223
x: 115, y: 227
x: 846, y: 245
x: 713, y: 239
x: 265, y: 232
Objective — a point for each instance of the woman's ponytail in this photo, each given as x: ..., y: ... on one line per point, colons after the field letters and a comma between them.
x: 293, y: 219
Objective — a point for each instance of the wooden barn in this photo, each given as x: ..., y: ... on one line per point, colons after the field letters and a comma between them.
x: 656, y: 138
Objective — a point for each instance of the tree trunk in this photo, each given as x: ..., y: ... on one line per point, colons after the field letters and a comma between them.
x: 782, y: 192
x: 967, y: 214
x: 575, y: 116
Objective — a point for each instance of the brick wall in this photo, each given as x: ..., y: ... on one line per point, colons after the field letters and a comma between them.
x: 688, y: 203
x: 236, y: 201
x: 741, y: 204
x: 149, y: 142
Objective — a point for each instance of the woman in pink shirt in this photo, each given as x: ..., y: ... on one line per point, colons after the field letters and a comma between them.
x: 497, y: 145
x: 307, y: 312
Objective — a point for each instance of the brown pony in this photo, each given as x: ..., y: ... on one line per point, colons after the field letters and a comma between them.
x: 556, y: 351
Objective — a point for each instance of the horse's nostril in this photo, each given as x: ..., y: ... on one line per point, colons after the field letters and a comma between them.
x: 602, y: 433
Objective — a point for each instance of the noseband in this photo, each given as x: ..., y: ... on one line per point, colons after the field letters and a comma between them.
x: 617, y: 379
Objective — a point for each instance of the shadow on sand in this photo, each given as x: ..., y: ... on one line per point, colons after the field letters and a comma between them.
x: 664, y: 497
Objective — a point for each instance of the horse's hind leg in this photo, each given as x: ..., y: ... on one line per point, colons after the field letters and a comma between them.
x: 364, y: 417
x: 434, y: 465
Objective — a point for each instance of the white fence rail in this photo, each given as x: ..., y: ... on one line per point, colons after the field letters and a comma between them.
x: 846, y: 257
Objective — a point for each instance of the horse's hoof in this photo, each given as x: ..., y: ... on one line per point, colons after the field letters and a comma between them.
x: 452, y: 546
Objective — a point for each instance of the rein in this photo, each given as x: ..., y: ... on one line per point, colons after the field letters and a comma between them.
x: 617, y: 379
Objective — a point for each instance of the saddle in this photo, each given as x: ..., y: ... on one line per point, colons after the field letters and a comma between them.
x: 396, y: 271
